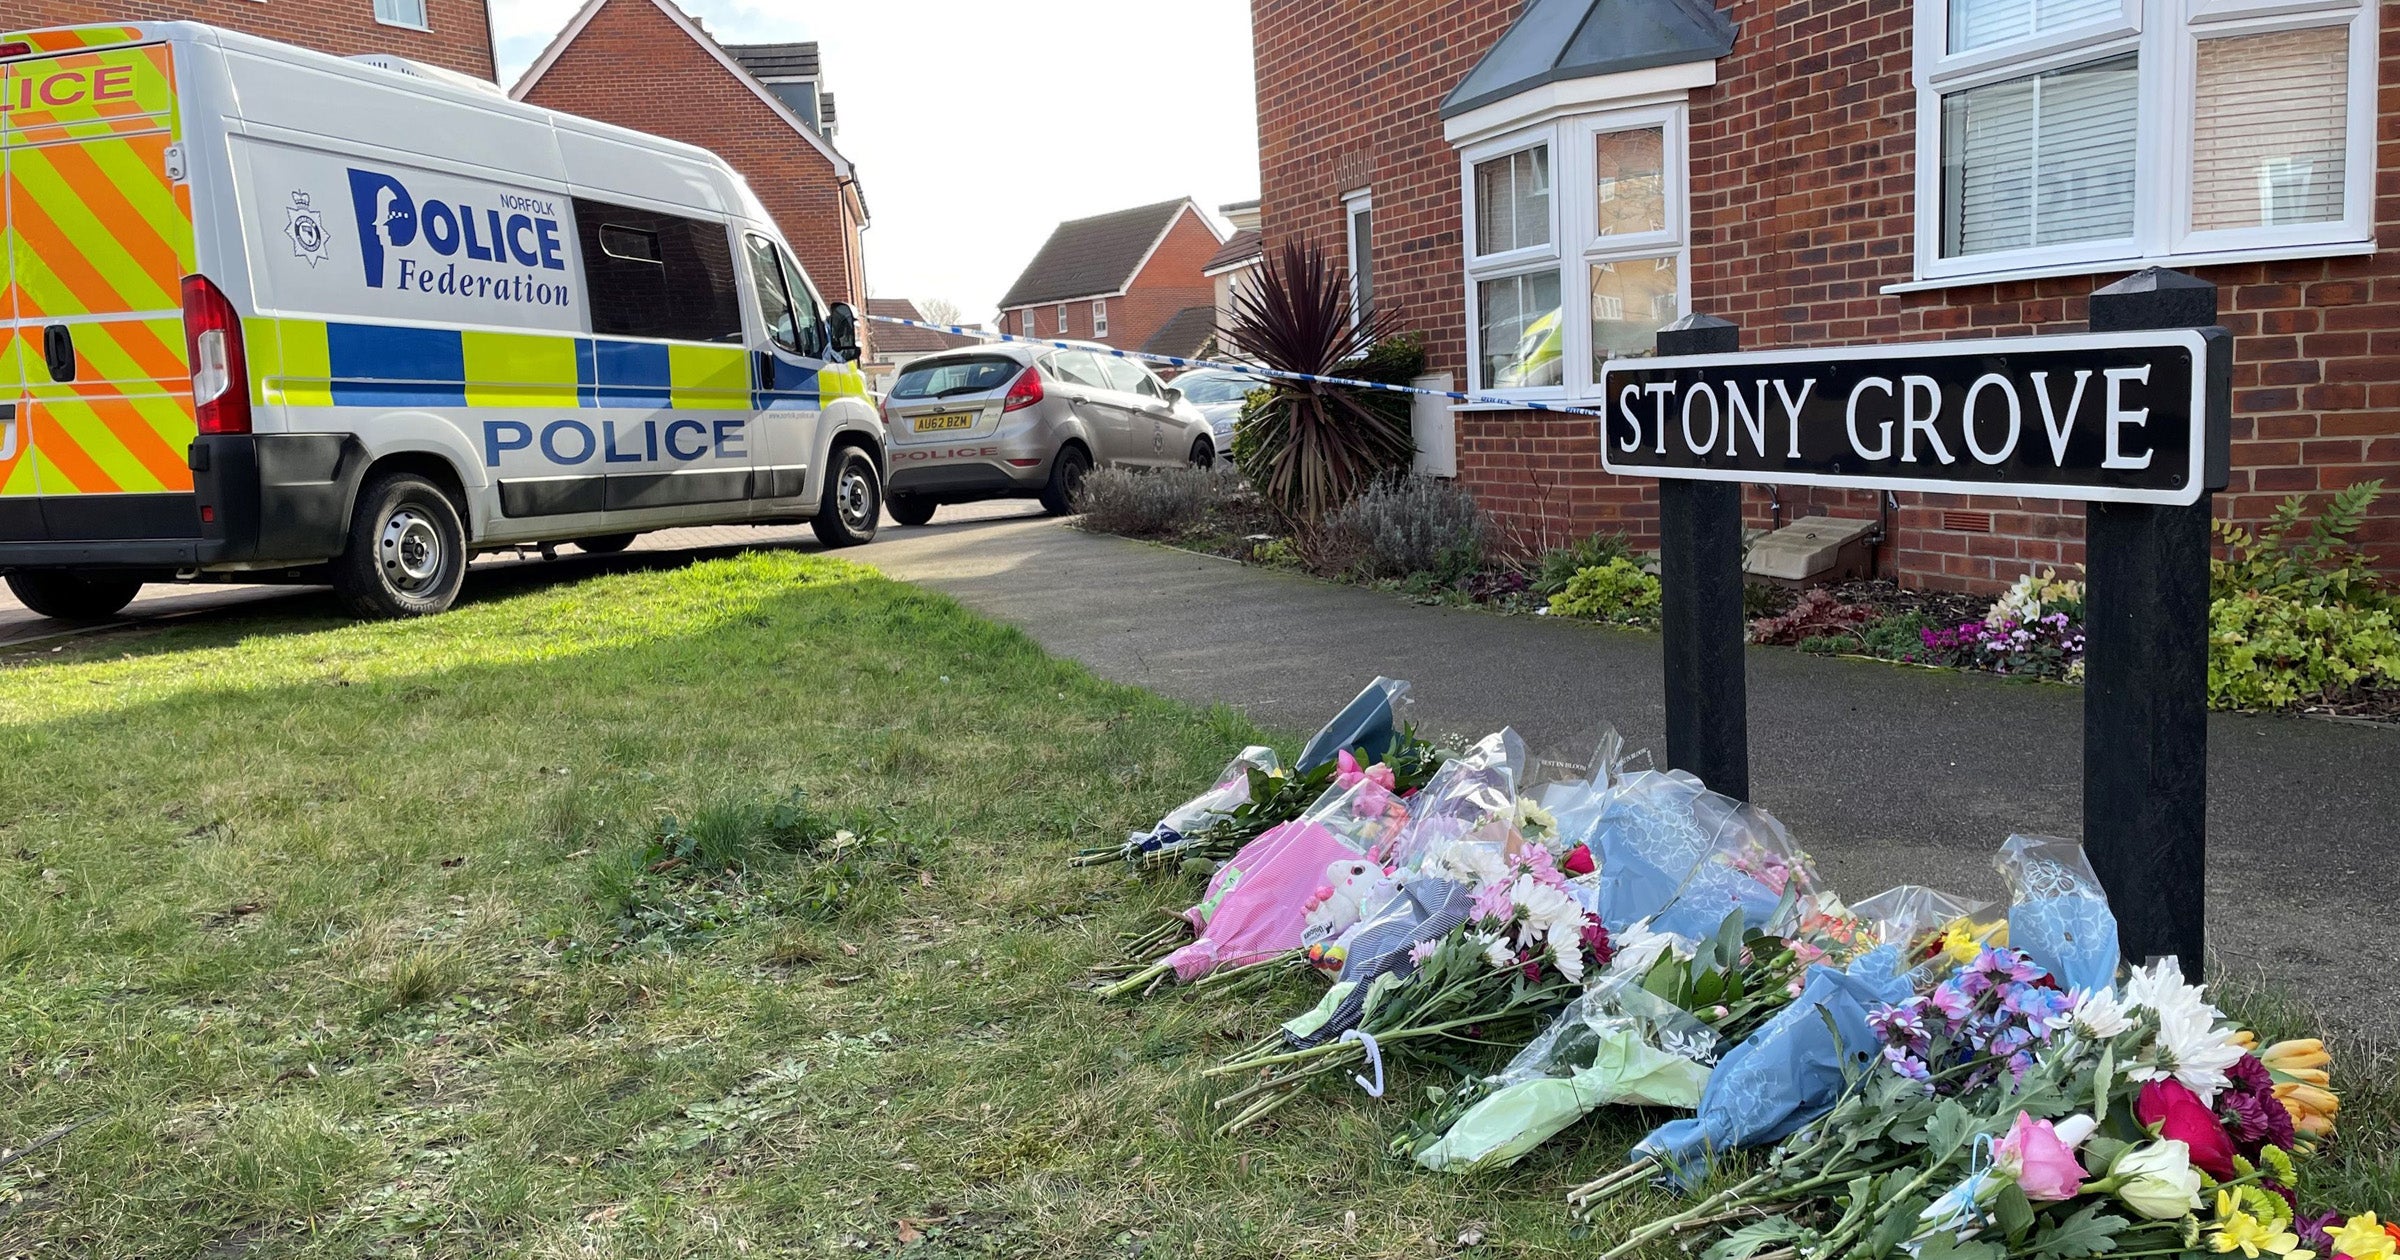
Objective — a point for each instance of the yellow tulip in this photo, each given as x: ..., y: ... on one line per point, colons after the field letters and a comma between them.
x: 2299, y: 1055
x: 2313, y: 1107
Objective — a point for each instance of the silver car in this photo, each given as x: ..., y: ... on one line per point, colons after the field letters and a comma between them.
x: 1219, y: 395
x: 1021, y: 421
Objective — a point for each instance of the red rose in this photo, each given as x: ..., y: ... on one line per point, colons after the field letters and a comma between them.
x: 1578, y: 860
x: 2179, y: 1116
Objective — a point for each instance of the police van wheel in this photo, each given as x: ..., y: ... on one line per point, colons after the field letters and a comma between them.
x: 407, y: 553
x: 910, y: 509
x: 605, y: 544
x: 65, y: 596
x: 853, y: 502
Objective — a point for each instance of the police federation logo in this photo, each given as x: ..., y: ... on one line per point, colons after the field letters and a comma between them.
x: 306, y: 228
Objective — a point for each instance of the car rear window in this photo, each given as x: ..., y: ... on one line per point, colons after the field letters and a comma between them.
x: 955, y: 376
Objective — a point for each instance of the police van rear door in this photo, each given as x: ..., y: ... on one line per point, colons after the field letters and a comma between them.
x: 96, y: 223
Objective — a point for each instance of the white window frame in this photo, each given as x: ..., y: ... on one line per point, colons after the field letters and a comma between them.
x: 1062, y: 319
x: 424, y: 6
x: 1354, y: 204
x: 1100, y: 317
x: 2165, y: 35
x: 1576, y: 244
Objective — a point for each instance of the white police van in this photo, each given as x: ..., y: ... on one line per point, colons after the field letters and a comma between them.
x: 273, y: 314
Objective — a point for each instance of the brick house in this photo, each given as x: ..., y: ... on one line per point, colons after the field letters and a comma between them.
x: 1535, y: 185
x: 647, y: 65
x: 1235, y: 267
x: 897, y: 345
x: 1115, y: 278
x: 452, y: 34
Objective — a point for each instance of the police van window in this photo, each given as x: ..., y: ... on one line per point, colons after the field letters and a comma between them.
x: 774, y: 302
x: 657, y: 275
x: 804, y: 306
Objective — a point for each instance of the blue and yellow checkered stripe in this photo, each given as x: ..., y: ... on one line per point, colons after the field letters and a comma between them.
x: 313, y: 363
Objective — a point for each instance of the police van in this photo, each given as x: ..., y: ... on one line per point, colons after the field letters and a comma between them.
x: 270, y: 314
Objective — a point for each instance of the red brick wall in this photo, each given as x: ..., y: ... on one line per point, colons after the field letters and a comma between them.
x: 460, y: 38
x: 632, y: 66
x: 1169, y: 283
x: 1803, y: 160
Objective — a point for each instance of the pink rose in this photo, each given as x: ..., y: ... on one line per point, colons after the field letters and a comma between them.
x: 2043, y: 1163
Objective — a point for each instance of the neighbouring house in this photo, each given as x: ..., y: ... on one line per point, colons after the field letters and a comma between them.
x: 1534, y: 186
x: 648, y: 65
x: 1115, y: 278
x: 897, y: 345
x: 1189, y: 334
x: 452, y: 34
x: 1235, y: 267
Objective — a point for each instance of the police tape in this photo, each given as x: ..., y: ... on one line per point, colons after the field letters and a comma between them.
x: 1245, y: 369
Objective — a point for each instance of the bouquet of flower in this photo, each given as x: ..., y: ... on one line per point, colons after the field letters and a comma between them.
x: 2007, y: 1117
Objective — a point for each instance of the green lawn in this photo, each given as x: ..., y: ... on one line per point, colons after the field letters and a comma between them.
x: 363, y: 940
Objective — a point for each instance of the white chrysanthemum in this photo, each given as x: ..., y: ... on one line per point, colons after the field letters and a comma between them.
x: 1555, y: 919
x: 2193, y: 1047
x: 1469, y: 863
x: 2100, y: 1015
x: 1638, y: 948
x: 1497, y: 953
x: 1534, y: 821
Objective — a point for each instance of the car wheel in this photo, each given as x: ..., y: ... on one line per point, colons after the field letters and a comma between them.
x: 909, y: 509
x: 1066, y: 481
x: 605, y: 544
x: 853, y: 502
x: 1204, y: 453
x: 65, y: 596
x: 407, y: 555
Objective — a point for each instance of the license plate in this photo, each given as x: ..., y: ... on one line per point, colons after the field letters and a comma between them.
x: 945, y: 423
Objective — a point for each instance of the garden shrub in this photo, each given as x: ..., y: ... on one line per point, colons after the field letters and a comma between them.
x: 1403, y: 527
x: 2319, y: 566
x: 1310, y: 447
x: 1559, y: 565
x: 1617, y: 591
x: 1818, y: 615
x: 2267, y: 651
x: 1154, y: 503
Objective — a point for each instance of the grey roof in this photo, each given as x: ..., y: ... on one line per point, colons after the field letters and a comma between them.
x: 1578, y: 39
x: 776, y: 61
x: 901, y: 339
x: 1092, y: 257
x: 1241, y: 247
x: 825, y: 108
x: 1183, y: 335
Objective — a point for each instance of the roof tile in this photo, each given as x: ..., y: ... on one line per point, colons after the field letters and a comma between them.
x: 1092, y: 257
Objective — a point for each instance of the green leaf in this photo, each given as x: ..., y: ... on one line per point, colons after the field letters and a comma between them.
x: 2102, y: 1077
x: 1755, y: 1237
x: 2090, y: 1232
x: 1945, y: 1246
x: 2014, y: 1211
x: 2100, y: 1153
x: 1898, y: 1222
x: 1729, y: 941
x: 1948, y: 1133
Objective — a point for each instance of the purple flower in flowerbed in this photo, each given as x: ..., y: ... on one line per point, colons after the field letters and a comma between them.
x: 2046, y: 647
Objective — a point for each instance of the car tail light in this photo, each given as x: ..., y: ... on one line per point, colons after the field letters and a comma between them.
x: 212, y: 336
x: 884, y: 409
x: 1025, y: 393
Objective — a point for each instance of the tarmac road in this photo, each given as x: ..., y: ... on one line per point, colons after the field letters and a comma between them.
x: 1887, y: 775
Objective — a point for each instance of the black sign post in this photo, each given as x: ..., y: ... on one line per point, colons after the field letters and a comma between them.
x: 2132, y: 418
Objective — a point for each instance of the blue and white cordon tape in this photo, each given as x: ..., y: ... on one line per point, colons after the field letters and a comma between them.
x: 1243, y: 368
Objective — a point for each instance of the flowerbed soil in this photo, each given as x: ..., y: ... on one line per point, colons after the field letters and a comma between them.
x: 503, y: 934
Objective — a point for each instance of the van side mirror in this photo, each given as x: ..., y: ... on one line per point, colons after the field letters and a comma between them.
x: 841, y: 330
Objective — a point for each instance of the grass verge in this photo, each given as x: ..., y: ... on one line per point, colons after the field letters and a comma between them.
x: 710, y: 912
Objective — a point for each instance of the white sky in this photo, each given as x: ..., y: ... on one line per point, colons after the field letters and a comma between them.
x: 976, y: 126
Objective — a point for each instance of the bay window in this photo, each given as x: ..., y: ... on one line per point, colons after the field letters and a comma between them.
x: 1576, y: 251
x: 2064, y: 135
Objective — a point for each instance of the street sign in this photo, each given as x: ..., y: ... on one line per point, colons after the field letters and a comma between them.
x: 2121, y: 417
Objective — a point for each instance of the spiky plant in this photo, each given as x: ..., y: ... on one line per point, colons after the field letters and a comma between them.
x: 1307, y: 446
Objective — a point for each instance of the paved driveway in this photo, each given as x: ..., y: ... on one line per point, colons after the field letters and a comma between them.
x: 1887, y: 775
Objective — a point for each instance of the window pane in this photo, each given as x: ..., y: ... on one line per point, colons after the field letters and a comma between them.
x: 774, y: 306
x: 402, y: 12
x: 1631, y: 300
x: 1362, y: 263
x: 686, y: 292
x: 2043, y: 160
x: 804, y: 306
x: 1123, y: 375
x: 1982, y: 23
x: 1632, y: 178
x: 1512, y: 201
x: 2270, y: 129
x: 1519, y: 341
